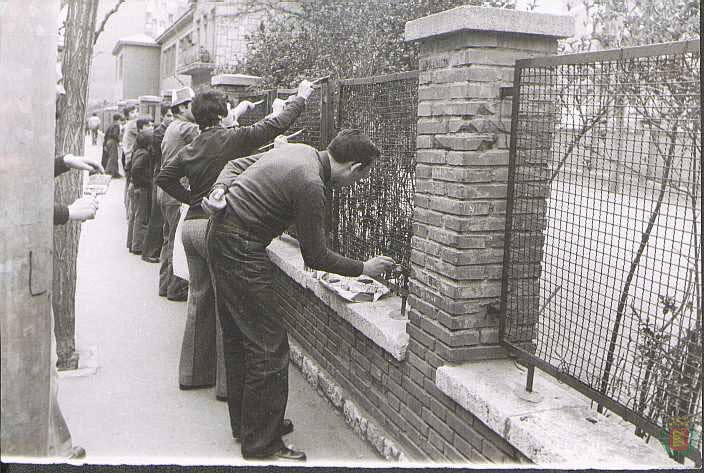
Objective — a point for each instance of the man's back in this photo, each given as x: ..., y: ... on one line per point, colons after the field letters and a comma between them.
x: 265, y: 196
x: 178, y: 134
x: 93, y: 122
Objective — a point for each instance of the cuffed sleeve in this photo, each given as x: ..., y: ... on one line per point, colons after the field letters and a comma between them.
x: 60, y: 214
x: 59, y: 166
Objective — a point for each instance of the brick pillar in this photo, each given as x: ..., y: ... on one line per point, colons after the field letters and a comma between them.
x: 235, y: 85
x: 467, y: 55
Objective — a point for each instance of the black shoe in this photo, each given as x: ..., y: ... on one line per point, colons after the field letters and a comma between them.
x: 178, y: 298
x: 223, y: 399
x: 185, y: 387
x: 285, y: 428
x: 150, y: 259
x: 286, y: 454
x: 77, y: 452
x: 138, y: 252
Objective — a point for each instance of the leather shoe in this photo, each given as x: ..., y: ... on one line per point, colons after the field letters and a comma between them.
x: 188, y: 387
x: 77, y: 452
x: 150, y: 259
x: 286, y: 454
x: 285, y: 428
x: 179, y: 298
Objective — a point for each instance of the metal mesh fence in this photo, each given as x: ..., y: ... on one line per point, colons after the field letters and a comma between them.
x: 603, y: 244
x: 374, y: 216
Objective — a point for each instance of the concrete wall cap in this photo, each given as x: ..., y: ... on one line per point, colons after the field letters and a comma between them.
x: 150, y: 98
x: 235, y: 79
x: 560, y: 431
x: 378, y: 321
x: 471, y: 18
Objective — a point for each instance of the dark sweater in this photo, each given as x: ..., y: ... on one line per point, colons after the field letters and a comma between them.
x: 141, y: 169
x: 203, y: 159
x: 266, y: 193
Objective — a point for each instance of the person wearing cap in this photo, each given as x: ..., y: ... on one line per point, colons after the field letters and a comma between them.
x: 201, y: 162
x: 180, y: 132
x: 254, y: 199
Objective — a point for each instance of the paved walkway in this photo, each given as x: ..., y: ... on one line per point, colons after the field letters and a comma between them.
x: 129, y: 409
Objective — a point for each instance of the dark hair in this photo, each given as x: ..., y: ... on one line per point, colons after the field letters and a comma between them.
x: 176, y: 109
x: 117, y: 117
x: 144, y: 140
x: 164, y: 109
x: 141, y: 122
x: 95, y: 114
x: 208, y: 108
x: 126, y: 111
x: 353, y: 145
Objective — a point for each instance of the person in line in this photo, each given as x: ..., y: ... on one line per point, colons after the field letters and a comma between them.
x: 111, y: 142
x: 201, y: 162
x: 141, y: 172
x: 129, y: 135
x: 255, y: 199
x: 154, y: 237
x: 93, y: 125
x: 142, y: 124
x: 180, y: 132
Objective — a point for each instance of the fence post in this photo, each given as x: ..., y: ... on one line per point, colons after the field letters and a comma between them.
x: 467, y: 55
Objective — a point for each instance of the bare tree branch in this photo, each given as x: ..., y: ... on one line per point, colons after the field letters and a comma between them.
x: 105, y: 20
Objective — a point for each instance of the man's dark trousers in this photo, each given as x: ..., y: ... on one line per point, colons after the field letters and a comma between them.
x: 154, y: 238
x: 255, y: 341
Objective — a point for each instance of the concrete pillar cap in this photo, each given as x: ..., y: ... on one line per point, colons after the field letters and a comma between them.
x: 235, y: 79
x: 471, y: 18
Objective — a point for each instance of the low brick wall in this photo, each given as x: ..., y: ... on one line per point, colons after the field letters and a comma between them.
x: 399, y: 399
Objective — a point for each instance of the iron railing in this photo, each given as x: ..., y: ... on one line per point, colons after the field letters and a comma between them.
x: 602, y: 263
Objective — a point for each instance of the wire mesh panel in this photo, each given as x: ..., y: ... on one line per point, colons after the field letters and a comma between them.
x: 374, y: 216
x: 309, y: 121
x: 603, y: 245
x: 259, y: 112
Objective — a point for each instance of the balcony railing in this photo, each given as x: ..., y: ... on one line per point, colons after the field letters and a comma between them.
x: 195, y: 59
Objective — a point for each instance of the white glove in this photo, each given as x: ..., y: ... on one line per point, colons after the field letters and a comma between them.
x: 305, y: 89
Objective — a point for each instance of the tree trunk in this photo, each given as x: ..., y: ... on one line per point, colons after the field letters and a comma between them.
x: 70, y: 135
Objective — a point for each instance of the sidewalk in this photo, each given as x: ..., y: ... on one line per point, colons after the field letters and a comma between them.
x: 130, y: 410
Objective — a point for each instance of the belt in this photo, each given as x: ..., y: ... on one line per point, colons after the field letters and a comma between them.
x: 240, y: 231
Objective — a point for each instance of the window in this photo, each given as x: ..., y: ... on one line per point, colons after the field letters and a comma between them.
x: 168, y: 61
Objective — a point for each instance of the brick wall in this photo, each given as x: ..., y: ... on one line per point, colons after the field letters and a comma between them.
x: 400, y: 396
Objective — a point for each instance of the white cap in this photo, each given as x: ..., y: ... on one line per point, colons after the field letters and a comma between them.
x: 182, y: 95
